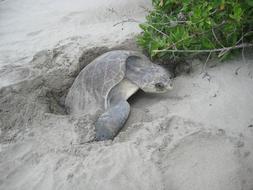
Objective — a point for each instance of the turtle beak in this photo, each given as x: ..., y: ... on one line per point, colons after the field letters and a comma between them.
x: 170, y: 86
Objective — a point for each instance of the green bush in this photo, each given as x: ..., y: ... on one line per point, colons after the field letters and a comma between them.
x: 179, y: 28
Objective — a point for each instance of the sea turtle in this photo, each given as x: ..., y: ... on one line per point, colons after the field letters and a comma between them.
x: 103, y: 87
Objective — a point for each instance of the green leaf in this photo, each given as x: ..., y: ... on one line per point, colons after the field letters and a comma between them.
x: 207, y: 44
x: 229, y: 18
x: 249, y: 2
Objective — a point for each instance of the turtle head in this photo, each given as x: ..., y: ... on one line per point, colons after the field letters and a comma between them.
x: 156, y: 80
x: 148, y: 76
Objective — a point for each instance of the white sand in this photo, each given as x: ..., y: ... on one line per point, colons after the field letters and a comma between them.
x: 196, y: 137
x: 29, y: 26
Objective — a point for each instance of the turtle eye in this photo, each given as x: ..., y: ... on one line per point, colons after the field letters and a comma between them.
x: 159, y: 85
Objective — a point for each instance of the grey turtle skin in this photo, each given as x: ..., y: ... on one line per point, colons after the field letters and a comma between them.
x: 103, y: 87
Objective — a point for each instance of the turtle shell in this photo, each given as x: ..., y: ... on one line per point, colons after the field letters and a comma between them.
x: 90, y: 89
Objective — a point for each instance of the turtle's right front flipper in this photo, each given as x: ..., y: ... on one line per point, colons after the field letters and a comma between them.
x: 111, y: 122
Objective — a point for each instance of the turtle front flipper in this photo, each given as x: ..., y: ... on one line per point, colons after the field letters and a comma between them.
x: 112, y: 120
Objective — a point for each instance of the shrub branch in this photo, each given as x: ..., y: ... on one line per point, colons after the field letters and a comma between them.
x: 225, y: 49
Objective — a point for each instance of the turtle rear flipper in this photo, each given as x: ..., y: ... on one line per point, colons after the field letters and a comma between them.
x: 112, y: 120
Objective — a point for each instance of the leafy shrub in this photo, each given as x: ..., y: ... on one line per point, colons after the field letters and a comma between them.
x: 179, y: 28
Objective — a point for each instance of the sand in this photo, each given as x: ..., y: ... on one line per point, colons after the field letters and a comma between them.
x: 28, y: 26
x: 197, y: 136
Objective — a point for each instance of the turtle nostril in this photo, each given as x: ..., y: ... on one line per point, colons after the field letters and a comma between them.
x: 159, y: 85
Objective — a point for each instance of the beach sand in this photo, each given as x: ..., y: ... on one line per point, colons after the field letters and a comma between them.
x: 194, y: 137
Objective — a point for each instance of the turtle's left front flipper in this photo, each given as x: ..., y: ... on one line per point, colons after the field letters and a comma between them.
x: 112, y: 120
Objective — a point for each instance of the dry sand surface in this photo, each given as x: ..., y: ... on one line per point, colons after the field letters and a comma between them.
x: 199, y: 136
x: 29, y: 26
